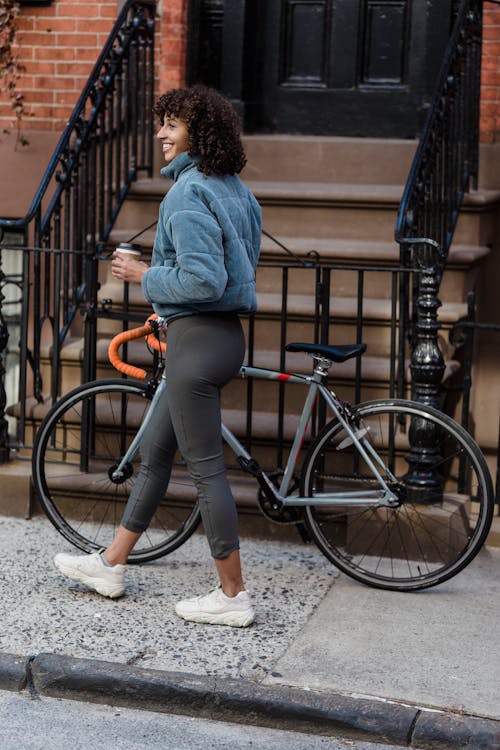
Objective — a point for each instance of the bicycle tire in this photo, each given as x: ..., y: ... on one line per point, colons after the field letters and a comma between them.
x: 78, y: 442
x: 445, y: 506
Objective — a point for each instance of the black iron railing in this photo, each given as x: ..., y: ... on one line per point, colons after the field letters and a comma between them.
x: 444, y: 168
x: 107, y: 141
x: 298, y: 300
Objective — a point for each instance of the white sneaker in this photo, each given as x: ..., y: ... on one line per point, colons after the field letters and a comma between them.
x: 90, y: 570
x: 218, y: 609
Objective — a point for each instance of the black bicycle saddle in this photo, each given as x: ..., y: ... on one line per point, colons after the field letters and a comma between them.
x: 333, y: 353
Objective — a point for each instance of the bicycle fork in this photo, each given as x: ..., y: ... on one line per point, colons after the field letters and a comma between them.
x: 121, y: 472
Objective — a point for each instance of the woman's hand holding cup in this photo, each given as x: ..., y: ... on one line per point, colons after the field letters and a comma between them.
x: 124, y: 264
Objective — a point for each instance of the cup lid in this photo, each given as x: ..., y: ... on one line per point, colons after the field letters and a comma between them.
x: 129, y: 247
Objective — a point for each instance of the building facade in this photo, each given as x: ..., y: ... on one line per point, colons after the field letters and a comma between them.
x: 352, y: 68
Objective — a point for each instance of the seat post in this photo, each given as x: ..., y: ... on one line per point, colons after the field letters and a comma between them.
x: 321, y: 367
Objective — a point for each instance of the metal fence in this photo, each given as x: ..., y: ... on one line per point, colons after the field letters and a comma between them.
x: 299, y: 300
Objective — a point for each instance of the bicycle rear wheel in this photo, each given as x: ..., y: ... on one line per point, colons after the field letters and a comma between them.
x: 77, y: 446
x: 441, y: 480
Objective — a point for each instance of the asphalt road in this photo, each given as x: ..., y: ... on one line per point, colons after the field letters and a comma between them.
x: 56, y: 724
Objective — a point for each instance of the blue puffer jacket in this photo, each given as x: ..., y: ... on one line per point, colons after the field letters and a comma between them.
x: 206, y: 246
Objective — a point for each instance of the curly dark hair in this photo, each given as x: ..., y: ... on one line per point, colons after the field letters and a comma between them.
x: 213, y: 127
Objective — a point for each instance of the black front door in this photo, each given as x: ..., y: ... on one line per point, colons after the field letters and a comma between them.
x: 334, y: 67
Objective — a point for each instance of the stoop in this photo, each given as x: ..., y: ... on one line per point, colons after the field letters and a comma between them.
x: 16, y: 488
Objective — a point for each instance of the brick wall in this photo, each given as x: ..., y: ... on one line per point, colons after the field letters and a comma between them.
x: 490, y: 75
x: 58, y: 45
x: 172, y: 46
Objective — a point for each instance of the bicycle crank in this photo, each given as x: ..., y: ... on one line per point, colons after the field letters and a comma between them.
x: 271, y: 507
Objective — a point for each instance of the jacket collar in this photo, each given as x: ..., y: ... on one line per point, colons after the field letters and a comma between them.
x: 180, y: 164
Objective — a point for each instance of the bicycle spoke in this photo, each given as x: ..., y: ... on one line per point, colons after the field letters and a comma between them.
x: 437, y: 526
x: 78, y: 446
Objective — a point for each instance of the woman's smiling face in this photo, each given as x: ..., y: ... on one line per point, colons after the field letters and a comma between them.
x: 174, y: 137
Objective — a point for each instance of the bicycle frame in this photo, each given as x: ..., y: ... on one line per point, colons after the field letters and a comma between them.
x: 382, y: 496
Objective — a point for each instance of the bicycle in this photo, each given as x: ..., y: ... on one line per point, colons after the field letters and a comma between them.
x: 396, y: 494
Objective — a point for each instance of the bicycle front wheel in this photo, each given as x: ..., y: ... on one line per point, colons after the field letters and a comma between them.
x: 77, y: 447
x: 442, y: 484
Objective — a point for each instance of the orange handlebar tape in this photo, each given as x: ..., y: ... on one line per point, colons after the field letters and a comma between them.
x: 114, y: 355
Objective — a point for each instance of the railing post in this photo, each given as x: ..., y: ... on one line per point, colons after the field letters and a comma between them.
x: 90, y: 312
x: 427, y: 369
x: 4, y: 337
x: 427, y: 363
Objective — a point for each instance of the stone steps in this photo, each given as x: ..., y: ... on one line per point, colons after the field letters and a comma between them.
x: 348, y: 252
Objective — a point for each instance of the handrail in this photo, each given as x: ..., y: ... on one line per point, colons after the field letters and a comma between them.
x: 106, y: 142
x: 132, y: 14
x: 94, y: 91
x: 446, y: 159
x: 444, y: 167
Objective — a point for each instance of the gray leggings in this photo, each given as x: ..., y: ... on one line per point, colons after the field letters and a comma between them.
x: 203, y: 353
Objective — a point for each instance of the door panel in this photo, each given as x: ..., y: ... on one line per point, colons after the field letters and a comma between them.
x: 336, y: 67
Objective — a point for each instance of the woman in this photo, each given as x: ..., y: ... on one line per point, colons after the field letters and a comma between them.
x: 201, y: 276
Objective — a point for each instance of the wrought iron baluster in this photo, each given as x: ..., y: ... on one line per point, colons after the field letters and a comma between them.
x: 82, y: 190
x: 359, y: 333
x: 4, y: 338
x: 283, y: 341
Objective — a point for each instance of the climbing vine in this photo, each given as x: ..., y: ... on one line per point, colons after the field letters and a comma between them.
x: 11, y: 69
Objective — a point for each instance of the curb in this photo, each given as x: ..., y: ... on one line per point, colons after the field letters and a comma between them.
x: 243, y: 701
x: 13, y: 671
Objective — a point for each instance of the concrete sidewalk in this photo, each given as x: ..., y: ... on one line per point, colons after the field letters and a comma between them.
x: 326, y: 654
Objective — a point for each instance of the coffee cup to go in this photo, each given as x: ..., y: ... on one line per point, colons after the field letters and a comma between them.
x: 126, y: 248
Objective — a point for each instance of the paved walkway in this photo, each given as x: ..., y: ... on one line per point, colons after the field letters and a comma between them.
x: 325, y: 652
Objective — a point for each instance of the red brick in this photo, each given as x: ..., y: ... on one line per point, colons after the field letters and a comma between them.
x: 489, y: 94
x: 489, y: 109
x: 27, y: 82
x: 66, y: 98
x: 78, y: 68
x: 83, y: 10
x: 23, y: 23
x: 37, y: 96
x: 62, y: 112
x: 489, y: 78
x: 174, y: 45
x: 486, y: 122
x: 487, y: 137
x: 489, y: 64
x: 86, y: 55
x: 35, y: 38
x: 97, y: 26
x: 491, y: 32
x: 108, y: 10
x: 67, y: 5
x: 58, y: 84
x: 38, y: 68
x: 42, y: 110
x: 81, y: 40
x: 492, y: 49
x: 53, y: 25
x: 171, y: 61
x: 57, y: 53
